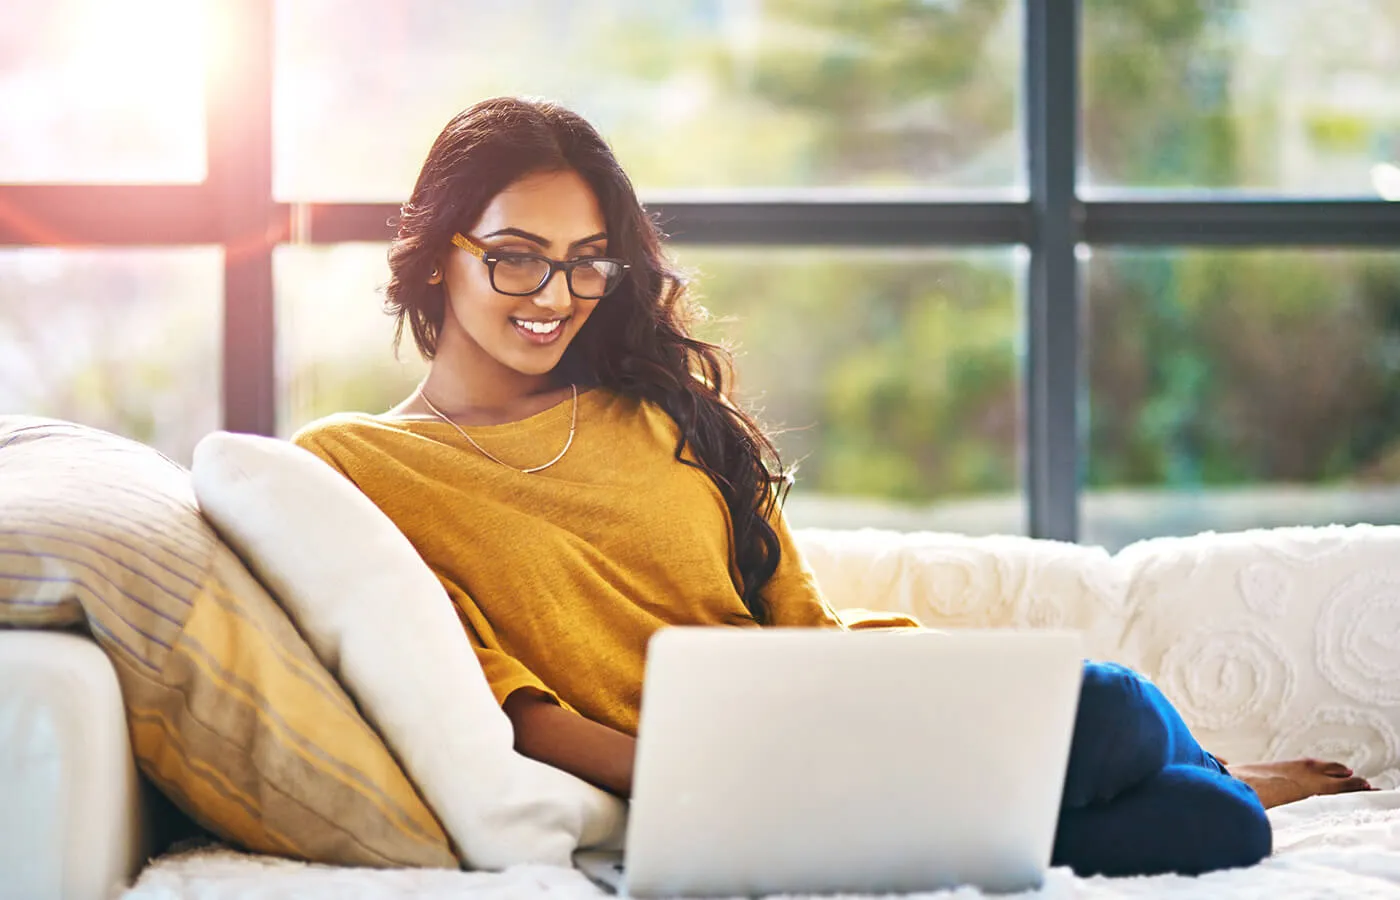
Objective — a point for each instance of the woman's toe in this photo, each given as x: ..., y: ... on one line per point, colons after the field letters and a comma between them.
x: 1348, y: 785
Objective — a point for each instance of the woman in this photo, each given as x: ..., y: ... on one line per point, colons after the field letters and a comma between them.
x: 572, y: 471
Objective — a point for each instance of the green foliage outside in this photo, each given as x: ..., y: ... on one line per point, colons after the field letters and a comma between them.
x: 887, y: 374
x: 1226, y: 368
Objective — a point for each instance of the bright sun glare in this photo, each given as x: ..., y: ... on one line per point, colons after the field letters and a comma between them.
x: 1386, y: 178
x: 143, y: 58
x: 135, y: 50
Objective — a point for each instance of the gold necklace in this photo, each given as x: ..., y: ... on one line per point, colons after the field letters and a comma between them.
x: 573, y: 423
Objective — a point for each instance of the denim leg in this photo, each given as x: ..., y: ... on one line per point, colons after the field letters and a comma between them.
x: 1125, y: 731
x: 1186, y: 818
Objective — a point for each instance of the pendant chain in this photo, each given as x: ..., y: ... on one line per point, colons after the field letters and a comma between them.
x: 573, y: 424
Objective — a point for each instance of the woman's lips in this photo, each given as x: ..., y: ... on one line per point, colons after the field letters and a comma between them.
x: 539, y: 337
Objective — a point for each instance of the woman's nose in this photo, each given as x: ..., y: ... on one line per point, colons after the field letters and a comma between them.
x: 555, y: 293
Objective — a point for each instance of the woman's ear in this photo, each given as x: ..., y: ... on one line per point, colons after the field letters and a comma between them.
x: 435, y: 277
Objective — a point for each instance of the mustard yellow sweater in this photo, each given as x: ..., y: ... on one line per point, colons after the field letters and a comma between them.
x: 561, y: 577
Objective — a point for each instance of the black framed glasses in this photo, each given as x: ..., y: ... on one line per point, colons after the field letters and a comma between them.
x: 523, y: 274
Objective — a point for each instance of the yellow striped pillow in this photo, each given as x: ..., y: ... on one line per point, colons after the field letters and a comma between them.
x: 231, y: 714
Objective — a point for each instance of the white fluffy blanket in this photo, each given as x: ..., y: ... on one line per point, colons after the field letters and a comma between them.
x: 1326, y: 847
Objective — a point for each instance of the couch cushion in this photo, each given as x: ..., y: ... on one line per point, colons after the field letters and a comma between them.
x: 382, y: 622
x: 1275, y: 644
x: 952, y: 581
x: 229, y: 711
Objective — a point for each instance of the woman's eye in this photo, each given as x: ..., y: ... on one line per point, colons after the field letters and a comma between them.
x: 516, y: 262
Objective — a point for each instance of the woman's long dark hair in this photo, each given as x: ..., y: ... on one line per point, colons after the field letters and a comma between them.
x: 636, y: 342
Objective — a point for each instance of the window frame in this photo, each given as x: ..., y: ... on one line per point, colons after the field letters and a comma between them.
x: 234, y: 207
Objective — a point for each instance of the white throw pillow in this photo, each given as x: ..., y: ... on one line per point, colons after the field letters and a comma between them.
x: 378, y: 618
x: 1276, y: 644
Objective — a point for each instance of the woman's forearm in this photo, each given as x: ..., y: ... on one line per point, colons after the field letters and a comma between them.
x: 551, y: 734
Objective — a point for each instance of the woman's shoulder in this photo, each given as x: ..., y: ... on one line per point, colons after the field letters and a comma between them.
x: 344, y: 436
x: 338, y: 425
x: 366, y: 447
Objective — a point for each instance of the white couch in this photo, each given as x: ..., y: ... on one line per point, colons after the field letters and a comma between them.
x: 1273, y: 644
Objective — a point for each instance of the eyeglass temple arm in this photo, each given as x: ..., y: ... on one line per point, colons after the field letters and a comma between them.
x: 469, y: 245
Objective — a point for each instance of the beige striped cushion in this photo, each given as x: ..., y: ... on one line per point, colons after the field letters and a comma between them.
x: 231, y: 714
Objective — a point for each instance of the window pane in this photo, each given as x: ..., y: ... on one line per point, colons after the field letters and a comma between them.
x: 694, y: 94
x: 894, y: 377
x: 1233, y: 389
x: 124, y: 340
x: 333, y: 338
x: 1299, y: 96
x: 93, y: 91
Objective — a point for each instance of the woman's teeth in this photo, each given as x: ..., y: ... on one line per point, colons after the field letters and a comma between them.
x: 539, y: 327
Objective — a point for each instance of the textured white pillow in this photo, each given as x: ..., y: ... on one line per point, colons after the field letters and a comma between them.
x: 1275, y: 644
x: 378, y: 618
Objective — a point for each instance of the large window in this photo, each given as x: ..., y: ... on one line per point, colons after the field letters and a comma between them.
x: 1083, y: 269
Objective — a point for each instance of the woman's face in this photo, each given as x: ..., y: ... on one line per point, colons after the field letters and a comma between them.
x: 554, y: 214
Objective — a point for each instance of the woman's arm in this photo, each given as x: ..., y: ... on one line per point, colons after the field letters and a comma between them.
x: 549, y: 733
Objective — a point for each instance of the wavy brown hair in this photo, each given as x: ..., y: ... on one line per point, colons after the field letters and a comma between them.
x: 636, y: 342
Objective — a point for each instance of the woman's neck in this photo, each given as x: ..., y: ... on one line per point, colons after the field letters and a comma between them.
x: 475, y: 386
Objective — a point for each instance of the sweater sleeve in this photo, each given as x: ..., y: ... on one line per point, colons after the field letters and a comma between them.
x: 504, y: 672
x: 792, y: 595
x: 795, y: 598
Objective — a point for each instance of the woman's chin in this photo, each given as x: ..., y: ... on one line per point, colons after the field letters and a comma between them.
x: 538, y: 362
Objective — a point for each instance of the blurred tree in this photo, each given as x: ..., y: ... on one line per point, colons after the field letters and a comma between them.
x: 1156, y: 89
x: 1236, y: 367
x: 126, y: 341
x: 900, y: 86
x: 887, y: 374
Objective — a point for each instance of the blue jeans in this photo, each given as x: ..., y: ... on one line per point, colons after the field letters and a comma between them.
x: 1141, y: 796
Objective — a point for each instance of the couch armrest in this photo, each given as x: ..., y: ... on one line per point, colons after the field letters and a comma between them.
x: 73, y: 823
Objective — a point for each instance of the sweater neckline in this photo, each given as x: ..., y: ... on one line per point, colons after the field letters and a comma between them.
x: 587, y: 399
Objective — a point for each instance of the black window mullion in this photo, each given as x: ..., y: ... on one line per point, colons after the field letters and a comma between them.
x: 1228, y: 221
x: 849, y: 223
x: 239, y: 99
x: 107, y: 215
x: 1052, y: 314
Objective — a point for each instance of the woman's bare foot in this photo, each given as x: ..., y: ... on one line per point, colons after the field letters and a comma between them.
x: 1278, y: 783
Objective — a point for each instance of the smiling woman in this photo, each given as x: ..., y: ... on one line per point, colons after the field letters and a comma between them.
x: 102, y: 92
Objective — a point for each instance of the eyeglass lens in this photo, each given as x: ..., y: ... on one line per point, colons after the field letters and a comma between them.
x: 588, y: 279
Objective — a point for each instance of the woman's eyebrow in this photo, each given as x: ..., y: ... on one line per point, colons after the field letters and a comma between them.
x: 543, y: 241
x: 600, y: 236
x: 520, y: 233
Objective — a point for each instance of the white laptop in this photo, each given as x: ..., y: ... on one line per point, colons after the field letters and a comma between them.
x: 814, y: 761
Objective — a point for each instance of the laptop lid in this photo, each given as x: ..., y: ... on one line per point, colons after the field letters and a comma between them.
x: 808, y: 760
